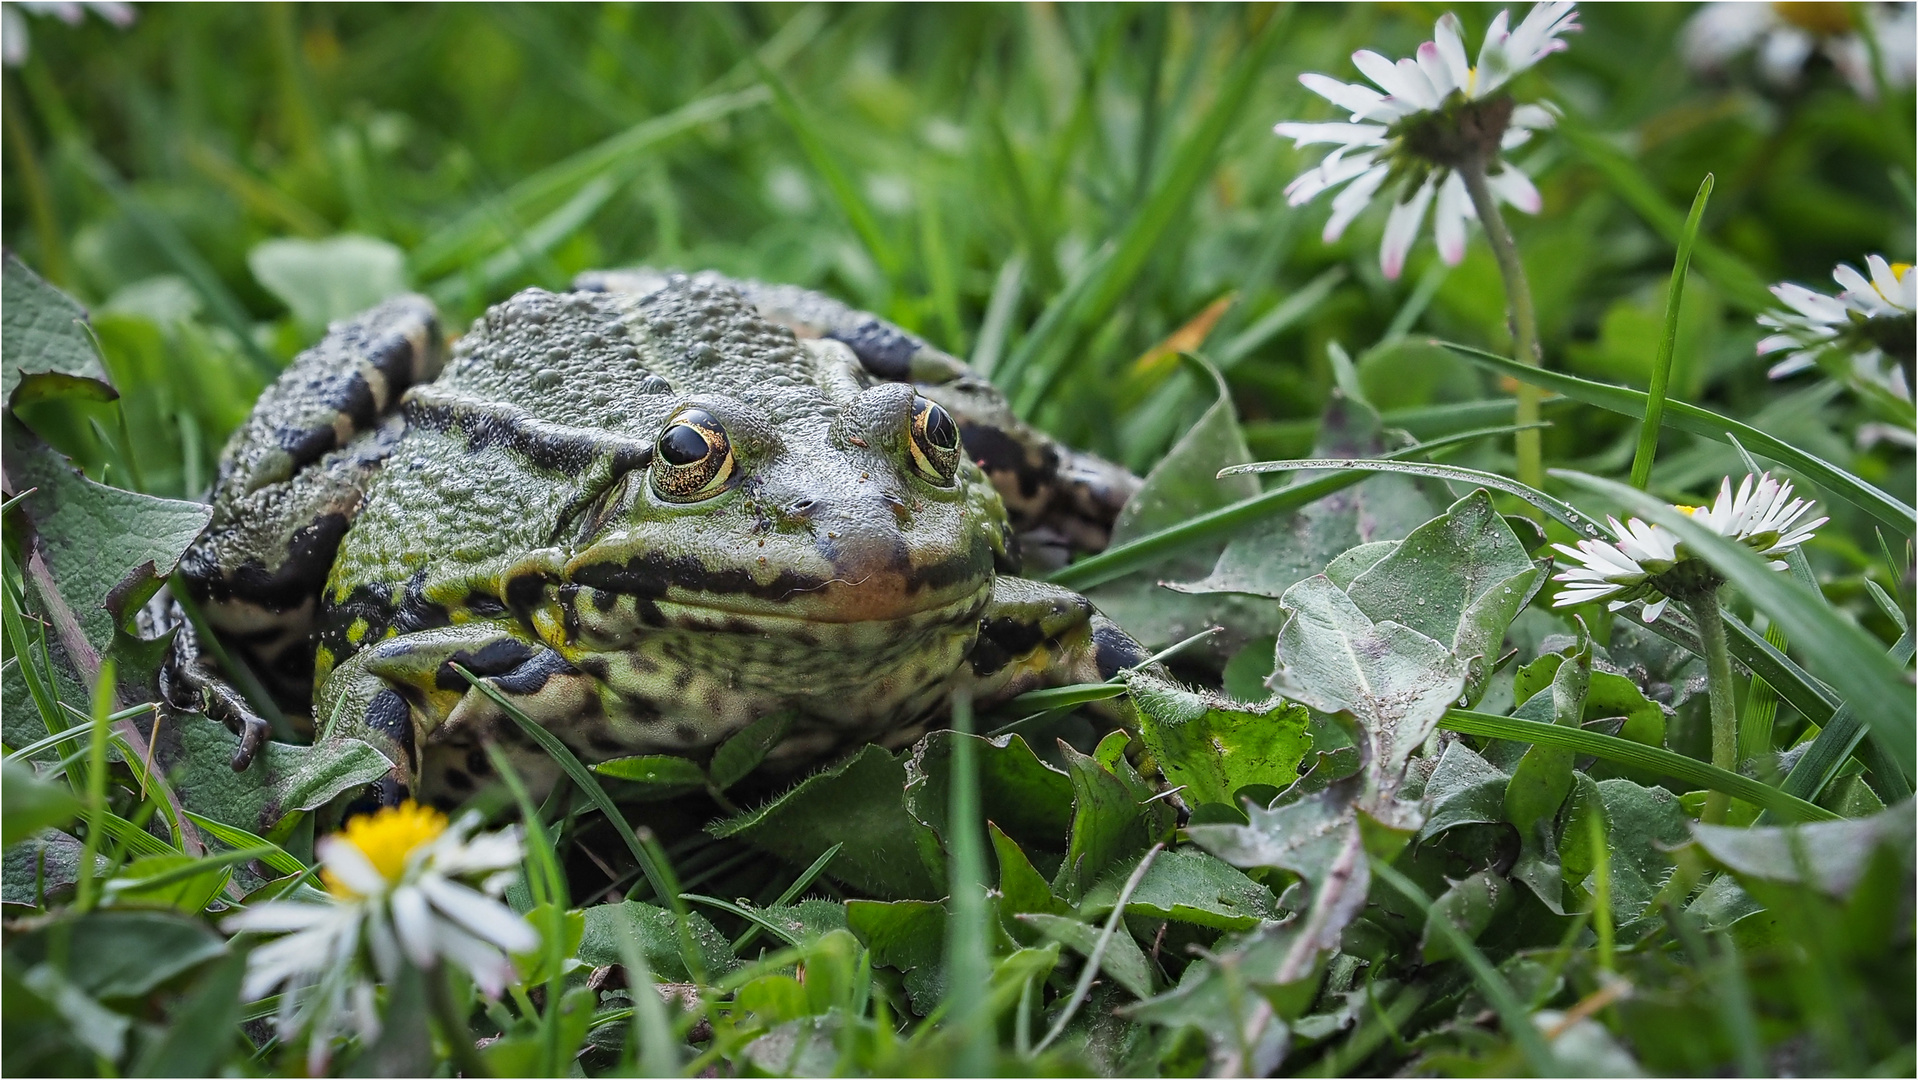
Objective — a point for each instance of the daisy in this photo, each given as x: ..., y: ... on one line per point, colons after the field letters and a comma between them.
x: 398, y: 892
x: 1870, y: 323
x: 1784, y: 36
x: 1648, y: 563
x: 1438, y: 115
x: 14, y: 40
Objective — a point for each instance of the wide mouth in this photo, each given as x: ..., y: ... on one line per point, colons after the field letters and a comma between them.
x: 838, y: 603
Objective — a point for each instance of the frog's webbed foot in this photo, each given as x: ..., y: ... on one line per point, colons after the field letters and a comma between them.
x: 188, y: 683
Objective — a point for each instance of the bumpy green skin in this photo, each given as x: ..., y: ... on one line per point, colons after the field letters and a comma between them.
x: 507, y: 514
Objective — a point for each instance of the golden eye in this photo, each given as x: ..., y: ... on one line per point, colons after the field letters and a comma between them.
x: 694, y: 459
x: 935, y: 441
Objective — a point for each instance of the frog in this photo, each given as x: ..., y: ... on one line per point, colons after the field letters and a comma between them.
x: 648, y: 512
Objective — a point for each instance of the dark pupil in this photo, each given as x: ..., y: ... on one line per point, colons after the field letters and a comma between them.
x: 939, y: 429
x: 682, y: 445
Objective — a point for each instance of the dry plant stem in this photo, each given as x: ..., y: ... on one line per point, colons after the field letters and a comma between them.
x: 1518, y: 306
x: 1724, y: 704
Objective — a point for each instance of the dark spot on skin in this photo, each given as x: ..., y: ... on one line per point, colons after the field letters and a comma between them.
x: 1113, y: 650
x: 493, y: 658
x: 458, y: 780
x: 416, y: 612
x: 603, y: 600
x: 309, y: 558
x: 884, y: 349
x: 524, y: 591
x: 478, y: 763
x: 485, y: 426
x: 308, y: 446
x: 1003, y: 639
x: 355, y: 401
x: 569, y: 610
x: 604, y: 743
x: 391, y: 716
x: 596, y: 667
x: 484, y: 606
x: 1003, y: 456
x: 685, y: 733
x: 530, y: 677
x: 683, y: 679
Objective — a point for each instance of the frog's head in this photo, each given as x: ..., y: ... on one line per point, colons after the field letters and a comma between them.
x: 825, y: 503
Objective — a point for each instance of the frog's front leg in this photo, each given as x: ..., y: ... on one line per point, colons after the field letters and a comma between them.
x: 1033, y: 635
x: 406, y: 697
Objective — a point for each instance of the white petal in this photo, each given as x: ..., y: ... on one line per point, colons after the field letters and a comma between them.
x: 1432, y: 66
x: 351, y: 866
x: 1885, y: 283
x: 1516, y: 188
x: 1341, y: 133
x: 1352, y: 200
x: 1782, y: 54
x: 1792, y: 365
x: 1722, y: 30
x: 1330, y: 173
x: 1491, y: 50
x: 1653, y: 611
x: 1813, y: 305
x: 277, y: 917
x: 489, y: 919
x: 1383, y: 72
x: 1448, y: 219
x: 1418, y: 86
x: 1775, y: 342
x: 1348, y: 96
x: 413, y: 925
x: 1402, y: 228
x: 1533, y: 116
x: 488, y: 966
x: 1448, y: 38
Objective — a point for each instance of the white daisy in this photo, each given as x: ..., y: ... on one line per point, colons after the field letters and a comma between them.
x: 1785, y: 35
x: 1648, y: 563
x: 1436, y: 114
x: 398, y: 884
x: 14, y: 41
x: 1870, y: 323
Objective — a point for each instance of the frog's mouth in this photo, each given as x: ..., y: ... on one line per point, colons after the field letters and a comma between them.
x: 661, y: 586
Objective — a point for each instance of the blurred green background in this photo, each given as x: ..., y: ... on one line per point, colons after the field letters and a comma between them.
x: 1105, y: 173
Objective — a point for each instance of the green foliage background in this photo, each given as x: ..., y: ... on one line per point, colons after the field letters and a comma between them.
x: 1053, y: 191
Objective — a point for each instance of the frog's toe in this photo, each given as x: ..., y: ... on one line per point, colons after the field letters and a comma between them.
x: 253, y: 734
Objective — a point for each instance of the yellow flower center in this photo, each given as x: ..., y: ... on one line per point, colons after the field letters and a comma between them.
x: 1816, y: 18
x: 1899, y: 270
x: 1688, y: 511
x: 386, y: 838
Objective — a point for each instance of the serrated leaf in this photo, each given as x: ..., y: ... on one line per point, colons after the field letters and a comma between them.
x: 1394, y: 681
x: 1110, y: 820
x: 1122, y: 958
x: 44, y: 343
x: 657, y: 932
x: 1187, y: 886
x: 1469, y: 905
x: 194, y: 753
x: 860, y: 801
x: 655, y: 776
x: 1029, y: 799
x: 1459, y: 579
x: 1213, y: 747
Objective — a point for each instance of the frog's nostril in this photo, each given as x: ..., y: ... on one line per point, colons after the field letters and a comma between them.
x: 802, y: 508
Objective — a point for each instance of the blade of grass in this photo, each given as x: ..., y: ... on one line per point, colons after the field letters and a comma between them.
x: 1852, y: 662
x: 1638, y: 756
x: 534, y: 243
x: 968, y: 948
x: 1761, y: 709
x: 1511, y: 1012
x: 96, y: 796
x: 1562, y: 512
x: 1091, y: 970
x: 1281, y: 318
x: 652, y: 1035
x: 547, y: 883
x: 798, y: 886
x: 1000, y: 309
x: 1838, y: 739
x: 277, y: 857
x: 658, y: 875
x: 1668, y: 343
x: 1116, y: 562
x: 473, y: 233
x: 1628, y: 402
x: 760, y: 922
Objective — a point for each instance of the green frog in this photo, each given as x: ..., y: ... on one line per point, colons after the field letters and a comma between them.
x: 649, y: 512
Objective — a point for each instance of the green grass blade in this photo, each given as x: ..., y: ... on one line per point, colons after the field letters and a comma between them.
x: 968, y: 942
x: 1636, y: 755
x: 277, y: 857
x: 1562, y: 512
x: 1837, y: 740
x: 1000, y: 309
x: 1628, y: 402
x: 1282, y: 317
x: 759, y: 921
x: 798, y: 886
x: 1511, y: 1012
x: 470, y: 236
x: 1851, y: 661
x: 1116, y: 562
x: 1668, y: 343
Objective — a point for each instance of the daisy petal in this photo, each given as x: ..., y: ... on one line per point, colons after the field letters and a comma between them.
x: 1402, y: 228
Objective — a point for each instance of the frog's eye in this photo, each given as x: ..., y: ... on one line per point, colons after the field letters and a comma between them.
x: 935, y: 441
x: 694, y: 459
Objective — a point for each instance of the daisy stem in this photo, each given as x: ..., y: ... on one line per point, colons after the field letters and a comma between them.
x: 453, y: 1026
x: 1518, y: 304
x: 1718, y: 674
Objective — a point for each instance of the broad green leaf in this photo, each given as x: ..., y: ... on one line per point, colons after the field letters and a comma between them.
x: 44, y: 340
x: 1270, y: 556
x: 908, y: 936
x: 1021, y: 887
x: 1852, y: 662
x: 194, y: 753
x: 654, y: 776
x: 1243, y: 1036
x: 1830, y: 856
x: 739, y: 755
x: 56, y: 1003
x: 29, y: 804
x: 321, y: 281
x: 1562, y: 512
x: 1122, y: 958
x: 1394, y: 681
x: 1629, y: 402
x: 1643, y: 824
x: 1543, y: 778
x: 1185, y: 885
x: 1030, y: 800
x: 1212, y: 747
x: 192, y: 1044
x: 1110, y: 820
x: 860, y: 801
x: 657, y: 932
x: 1469, y: 905
x: 108, y: 549
x: 1464, y: 789
x: 1458, y: 579
x: 44, y: 866
x: 121, y: 954
x: 186, y: 882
